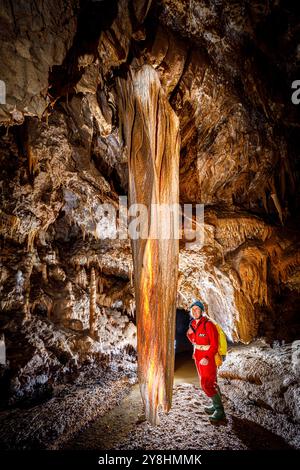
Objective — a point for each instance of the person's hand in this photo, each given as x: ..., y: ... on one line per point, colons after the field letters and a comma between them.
x: 190, y: 331
x: 203, y: 362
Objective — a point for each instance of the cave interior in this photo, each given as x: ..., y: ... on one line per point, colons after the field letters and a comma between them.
x: 96, y: 93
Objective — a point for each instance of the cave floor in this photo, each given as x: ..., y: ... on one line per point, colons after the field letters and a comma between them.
x: 186, y: 426
x: 107, y: 412
x: 47, y: 424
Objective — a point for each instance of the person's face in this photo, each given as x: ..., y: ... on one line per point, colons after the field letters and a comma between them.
x: 196, y: 312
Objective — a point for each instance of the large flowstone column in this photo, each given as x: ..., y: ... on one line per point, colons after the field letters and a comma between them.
x: 151, y: 133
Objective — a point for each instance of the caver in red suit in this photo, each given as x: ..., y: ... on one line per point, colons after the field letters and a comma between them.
x: 205, y: 333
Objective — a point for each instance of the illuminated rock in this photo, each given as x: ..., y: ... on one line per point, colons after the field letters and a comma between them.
x: 151, y: 134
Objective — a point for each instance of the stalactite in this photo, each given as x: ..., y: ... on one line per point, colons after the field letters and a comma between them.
x: 83, y: 233
x: 81, y: 277
x: 284, y: 264
x: 277, y: 205
x: 232, y: 232
x: 32, y: 158
x: 100, y: 278
x: 15, y: 225
x: 2, y: 349
x: 253, y: 274
x: 44, y: 272
x: 100, y: 284
x: 152, y: 138
x: 93, y: 296
x: 31, y: 238
x: 99, y: 264
x: 131, y: 275
x: 28, y: 271
x: 77, y: 265
x: 9, y: 224
x: 132, y: 309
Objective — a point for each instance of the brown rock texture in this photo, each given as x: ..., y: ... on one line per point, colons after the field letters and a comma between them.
x: 151, y: 134
x: 34, y: 38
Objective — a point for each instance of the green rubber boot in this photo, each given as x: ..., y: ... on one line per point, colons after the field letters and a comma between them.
x: 219, y: 414
x: 209, y: 410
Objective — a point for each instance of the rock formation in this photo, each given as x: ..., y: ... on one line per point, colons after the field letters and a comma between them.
x: 71, y: 289
x: 151, y: 134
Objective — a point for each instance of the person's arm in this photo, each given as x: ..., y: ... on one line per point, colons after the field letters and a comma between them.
x: 213, y: 336
x: 191, y: 335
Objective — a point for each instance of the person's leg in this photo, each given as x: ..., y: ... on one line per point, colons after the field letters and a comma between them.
x: 219, y: 413
x: 198, y: 370
x: 208, y: 381
x: 208, y: 376
x: 211, y: 388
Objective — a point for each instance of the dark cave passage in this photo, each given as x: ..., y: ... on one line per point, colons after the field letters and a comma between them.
x: 182, y: 343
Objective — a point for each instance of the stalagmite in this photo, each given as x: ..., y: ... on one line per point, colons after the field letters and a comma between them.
x: 150, y: 128
x: 93, y: 295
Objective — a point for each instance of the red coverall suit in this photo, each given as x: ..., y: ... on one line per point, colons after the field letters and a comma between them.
x: 205, y: 333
